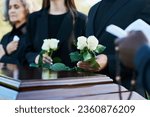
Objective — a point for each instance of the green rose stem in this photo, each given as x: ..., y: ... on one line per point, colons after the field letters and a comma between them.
x: 40, y: 62
x: 50, y: 53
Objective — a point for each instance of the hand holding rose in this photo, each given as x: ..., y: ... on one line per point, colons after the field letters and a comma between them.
x: 100, y: 59
x: 48, y: 47
x: 87, y: 58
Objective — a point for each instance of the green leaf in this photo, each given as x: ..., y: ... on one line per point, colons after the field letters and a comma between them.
x: 75, y: 56
x: 100, y: 48
x: 94, y: 63
x: 57, y: 60
x: 46, y: 65
x: 50, y: 52
x: 147, y: 95
x: 87, y: 56
x: 37, y: 66
x: 59, y: 67
x: 43, y: 52
x: 34, y: 65
x: 78, y: 69
x: 40, y: 62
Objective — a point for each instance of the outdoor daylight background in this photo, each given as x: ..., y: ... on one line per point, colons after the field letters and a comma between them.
x: 82, y: 5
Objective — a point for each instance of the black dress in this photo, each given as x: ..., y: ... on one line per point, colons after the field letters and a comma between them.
x: 42, y: 25
x: 18, y: 56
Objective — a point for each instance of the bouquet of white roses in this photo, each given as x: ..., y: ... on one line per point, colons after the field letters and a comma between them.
x: 89, y: 48
x: 48, y: 47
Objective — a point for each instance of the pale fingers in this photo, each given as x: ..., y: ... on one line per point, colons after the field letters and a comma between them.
x: 12, y: 46
x: 47, y: 59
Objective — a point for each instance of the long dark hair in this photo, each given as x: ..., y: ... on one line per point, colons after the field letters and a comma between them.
x: 70, y: 4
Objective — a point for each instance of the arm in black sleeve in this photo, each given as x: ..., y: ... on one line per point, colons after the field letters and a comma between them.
x: 4, y: 42
x: 30, y: 51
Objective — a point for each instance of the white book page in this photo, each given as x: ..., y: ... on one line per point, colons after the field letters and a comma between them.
x: 138, y: 25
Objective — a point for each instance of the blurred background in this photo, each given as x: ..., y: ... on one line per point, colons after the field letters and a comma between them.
x: 82, y: 5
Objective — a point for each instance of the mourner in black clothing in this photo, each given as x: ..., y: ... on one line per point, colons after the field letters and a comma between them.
x: 120, y: 13
x: 55, y: 20
x: 12, y: 49
x: 134, y: 52
x: 58, y: 19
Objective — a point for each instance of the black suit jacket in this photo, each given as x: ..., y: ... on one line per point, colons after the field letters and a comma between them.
x: 142, y: 64
x: 122, y: 13
x: 18, y: 56
x: 38, y: 31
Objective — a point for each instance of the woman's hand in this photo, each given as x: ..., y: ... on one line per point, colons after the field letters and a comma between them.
x: 46, y: 59
x: 2, y: 52
x: 101, y: 60
x: 12, y: 46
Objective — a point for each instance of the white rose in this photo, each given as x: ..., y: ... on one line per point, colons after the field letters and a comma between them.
x: 92, y: 43
x: 82, y: 43
x: 45, y: 45
x: 53, y: 43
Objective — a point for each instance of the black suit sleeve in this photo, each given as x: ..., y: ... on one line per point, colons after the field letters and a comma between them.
x: 5, y: 41
x: 145, y: 13
x: 31, y: 27
x: 142, y: 64
x: 80, y: 27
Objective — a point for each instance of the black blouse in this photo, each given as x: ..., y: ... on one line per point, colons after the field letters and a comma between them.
x: 54, y: 23
x: 16, y: 57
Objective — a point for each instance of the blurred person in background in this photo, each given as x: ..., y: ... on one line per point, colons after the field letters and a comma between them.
x: 134, y: 52
x: 13, y: 44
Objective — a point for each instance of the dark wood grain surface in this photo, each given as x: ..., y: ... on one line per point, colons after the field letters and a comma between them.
x: 24, y: 83
x: 71, y: 92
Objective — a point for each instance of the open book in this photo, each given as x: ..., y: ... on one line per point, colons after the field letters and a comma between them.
x: 138, y: 25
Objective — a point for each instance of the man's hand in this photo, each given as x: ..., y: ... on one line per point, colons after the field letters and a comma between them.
x: 100, y: 59
x: 129, y: 45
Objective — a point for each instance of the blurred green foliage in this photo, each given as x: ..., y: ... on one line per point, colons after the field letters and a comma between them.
x: 5, y: 27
